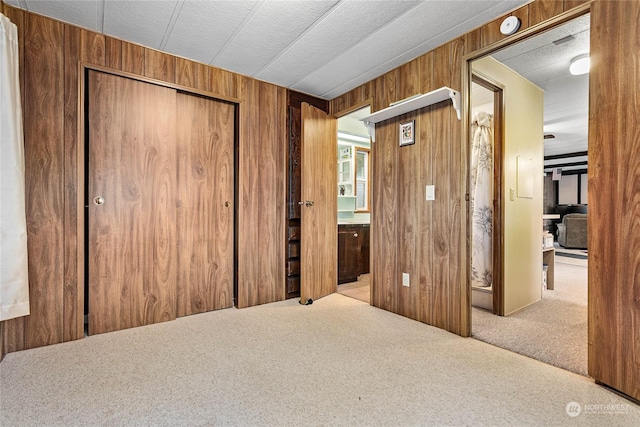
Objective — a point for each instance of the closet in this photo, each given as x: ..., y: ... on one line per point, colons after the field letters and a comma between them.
x: 159, y: 202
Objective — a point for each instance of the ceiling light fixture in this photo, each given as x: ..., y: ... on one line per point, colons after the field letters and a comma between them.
x: 580, y: 64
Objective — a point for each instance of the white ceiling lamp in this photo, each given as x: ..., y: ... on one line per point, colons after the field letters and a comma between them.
x: 580, y: 64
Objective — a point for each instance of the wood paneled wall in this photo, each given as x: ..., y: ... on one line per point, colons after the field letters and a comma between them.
x: 410, y: 235
x: 49, y: 55
x: 614, y: 196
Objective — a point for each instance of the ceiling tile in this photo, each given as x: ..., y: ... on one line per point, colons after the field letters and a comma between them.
x: 270, y: 30
x: 400, y: 41
x: 80, y: 13
x: 204, y: 27
x: 347, y: 24
x: 144, y: 22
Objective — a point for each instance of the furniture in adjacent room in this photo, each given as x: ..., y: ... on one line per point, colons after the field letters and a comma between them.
x: 549, y: 259
x: 572, y: 232
x: 353, y: 251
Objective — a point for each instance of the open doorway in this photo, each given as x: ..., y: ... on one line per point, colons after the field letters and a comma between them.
x: 354, y: 205
x: 545, y: 312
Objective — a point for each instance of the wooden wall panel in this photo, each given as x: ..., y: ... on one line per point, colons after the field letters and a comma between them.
x: 159, y: 65
x: 73, y: 307
x: 133, y: 58
x: 384, y: 222
x: 262, y: 190
x: 570, y: 4
x: 223, y: 82
x: 614, y: 197
x: 44, y: 165
x: 113, y: 53
x: 92, y: 47
x: 192, y: 74
x: 541, y: 10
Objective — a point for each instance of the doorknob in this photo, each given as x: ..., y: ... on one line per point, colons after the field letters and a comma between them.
x: 99, y: 200
x: 355, y: 234
x: 309, y: 203
x: 227, y: 204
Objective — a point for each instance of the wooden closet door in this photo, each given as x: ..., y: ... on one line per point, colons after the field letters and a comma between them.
x: 205, y: 138
x: 132, y: 203
x: 319, y: 216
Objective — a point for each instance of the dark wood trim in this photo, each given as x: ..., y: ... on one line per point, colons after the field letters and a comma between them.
x: 567, y: 155
x: 498, y: 174
x: 295, y: 100
x: 566, y: 165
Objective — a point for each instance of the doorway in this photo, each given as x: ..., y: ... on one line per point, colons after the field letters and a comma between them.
x: 354, y: 205
x: 556, y: 320
x: 159, y: 217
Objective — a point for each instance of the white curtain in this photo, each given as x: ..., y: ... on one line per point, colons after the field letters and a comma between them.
x: 14, y: 279
x: 482, y: 200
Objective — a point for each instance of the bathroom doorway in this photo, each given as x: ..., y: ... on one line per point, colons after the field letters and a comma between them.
x: 354, y: 205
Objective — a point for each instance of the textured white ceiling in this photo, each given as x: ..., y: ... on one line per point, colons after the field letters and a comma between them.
x: 320, y: 47
x: 566, y: 97
x: 328, y: 47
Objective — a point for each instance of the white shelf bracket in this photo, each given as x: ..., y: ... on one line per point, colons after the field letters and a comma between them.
x: 371, y: 128
x: 455, y: 98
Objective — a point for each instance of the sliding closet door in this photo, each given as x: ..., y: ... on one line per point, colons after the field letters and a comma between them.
x: 131, y: 174
x: 205, y: 138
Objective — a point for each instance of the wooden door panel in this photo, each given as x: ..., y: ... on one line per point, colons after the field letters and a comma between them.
x: 205, y: 138
x: 318, y: 272
x: 132, y: 235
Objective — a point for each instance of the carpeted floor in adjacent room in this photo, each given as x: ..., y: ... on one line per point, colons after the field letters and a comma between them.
x: 553, y: 330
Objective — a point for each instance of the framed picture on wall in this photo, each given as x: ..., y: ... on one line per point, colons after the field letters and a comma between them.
x: 407, y: 133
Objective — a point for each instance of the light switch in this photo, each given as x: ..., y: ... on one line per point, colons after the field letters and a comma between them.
x: 431, y: 192
x: 405, y: 279
x: 512, y: 194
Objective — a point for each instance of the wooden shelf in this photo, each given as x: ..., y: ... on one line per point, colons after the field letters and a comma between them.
x: 411, y: 104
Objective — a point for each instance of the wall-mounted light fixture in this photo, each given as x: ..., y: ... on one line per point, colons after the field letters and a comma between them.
x: 580, y: 64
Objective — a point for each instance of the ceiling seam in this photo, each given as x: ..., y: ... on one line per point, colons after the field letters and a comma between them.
x: 172, y: 23
x: 237, y: 31
x: 301, y: 35
x: 100, y: 16
x: 382, y: 66
x: 406, y: 12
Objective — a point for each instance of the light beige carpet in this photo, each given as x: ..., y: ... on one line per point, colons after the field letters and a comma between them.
x: 553, y: 330
x: 359, y: 290
x: 337, y: 362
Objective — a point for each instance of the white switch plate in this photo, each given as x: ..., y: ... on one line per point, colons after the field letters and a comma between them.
x: 405, y: 279
x: 512, y: 194
x: 431, y: 192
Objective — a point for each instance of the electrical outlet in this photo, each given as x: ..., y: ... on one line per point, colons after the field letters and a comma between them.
x: 405, y: 279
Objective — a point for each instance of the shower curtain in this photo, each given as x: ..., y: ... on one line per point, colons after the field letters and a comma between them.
x: 14, y: 278
x: 482, y: 200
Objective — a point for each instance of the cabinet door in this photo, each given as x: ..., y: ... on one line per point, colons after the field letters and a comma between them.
x: 349, y: 254
x: 365, y: 243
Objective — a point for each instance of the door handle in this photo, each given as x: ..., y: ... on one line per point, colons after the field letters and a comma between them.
x: 99, y: 200
x: 355, y: 234
x: 227, y: 204
x: 309, y: 203
x: 301, y: 203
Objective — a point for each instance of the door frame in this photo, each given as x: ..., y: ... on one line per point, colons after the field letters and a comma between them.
x: 338, y: 114
x: 467, y: 59
x: 82, y: 153
x: 498, y: 175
